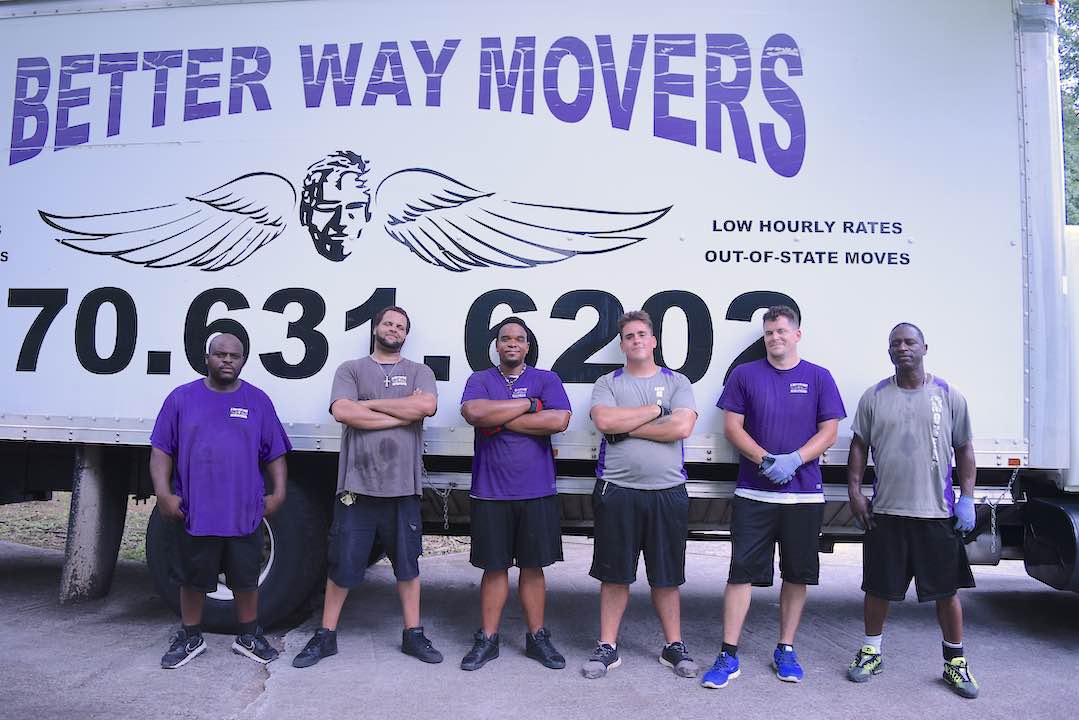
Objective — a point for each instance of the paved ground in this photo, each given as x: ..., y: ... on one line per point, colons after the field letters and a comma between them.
x: 99, y: 659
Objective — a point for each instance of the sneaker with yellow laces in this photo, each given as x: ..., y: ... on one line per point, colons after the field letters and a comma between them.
x: 957, y: 676
x: 867, y: 663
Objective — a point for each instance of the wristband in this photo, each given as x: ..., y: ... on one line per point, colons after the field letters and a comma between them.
x: 489, y: 431
x: 616, y: 438
x: 534, y: 405
x: 663, y: 411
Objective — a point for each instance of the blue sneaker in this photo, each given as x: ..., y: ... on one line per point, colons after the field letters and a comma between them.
x: 723, y: 671
x: 787, y: 667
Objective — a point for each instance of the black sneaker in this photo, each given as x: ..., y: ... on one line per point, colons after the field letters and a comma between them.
x: 255, y: 647
x: 323, y: 644
x: 484, y: 649
x: 416, y: 644
x: 676, y: 657
x: 182, y: 650
x: 539, y: 647
x: 603, y: 658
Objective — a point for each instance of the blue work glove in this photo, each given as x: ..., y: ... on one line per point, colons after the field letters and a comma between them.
x: 783, y: 468
x: 964, y: 514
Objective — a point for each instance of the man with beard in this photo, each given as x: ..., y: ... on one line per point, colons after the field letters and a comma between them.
x: 380, y: 401
x: 516, y: 519
x: 913, y: 422
x: 211, y: 442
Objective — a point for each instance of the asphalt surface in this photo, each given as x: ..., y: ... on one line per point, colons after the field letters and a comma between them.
x: 99, y: 659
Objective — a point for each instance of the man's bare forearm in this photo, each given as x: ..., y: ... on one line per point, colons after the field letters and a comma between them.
x: 617, y: 420
x: 492, y: 413
x: 857, y: 459
x: 668, y: 428
x: 277, y: 469
x: 415, y: 407
x: 823, y: 439
x: 545, y: 422
x: 966, y: 468
x: 356, y: 415
x: 161, y: 464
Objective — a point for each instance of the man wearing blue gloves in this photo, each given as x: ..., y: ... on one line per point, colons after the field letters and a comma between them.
x: 913, y: 421
x: 781, y: 414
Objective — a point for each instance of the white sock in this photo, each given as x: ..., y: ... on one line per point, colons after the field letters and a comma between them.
x: 873, y: 641
x: 953, y: 646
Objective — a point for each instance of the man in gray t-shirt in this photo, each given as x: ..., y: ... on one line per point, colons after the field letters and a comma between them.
x: 380, y: 401
x: 912, y: 422
x: 640, y: 501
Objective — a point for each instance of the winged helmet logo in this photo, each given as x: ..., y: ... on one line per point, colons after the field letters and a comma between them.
x: 442, y: 220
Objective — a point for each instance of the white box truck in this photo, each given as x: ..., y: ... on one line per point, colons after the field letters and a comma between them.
x: 282, y: 170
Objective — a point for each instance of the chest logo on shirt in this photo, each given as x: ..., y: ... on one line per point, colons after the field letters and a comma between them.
x: 799, y: 388
x: 238, y: 413
x: 659, y: 392
x: 518, y: 393
x: 398, y: 380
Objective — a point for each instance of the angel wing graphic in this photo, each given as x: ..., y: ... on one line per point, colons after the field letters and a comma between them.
x: 441, y: 220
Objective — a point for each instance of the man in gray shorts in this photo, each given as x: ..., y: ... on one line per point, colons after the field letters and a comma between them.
x: 912, y: 422
x: 380, y: 401
x: 640, y: 503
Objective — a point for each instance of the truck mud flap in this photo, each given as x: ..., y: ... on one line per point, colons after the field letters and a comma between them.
x: 1050, y: 541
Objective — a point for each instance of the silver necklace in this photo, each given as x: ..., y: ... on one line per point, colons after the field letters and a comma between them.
x: 387, y: 374
x: 512, y: 379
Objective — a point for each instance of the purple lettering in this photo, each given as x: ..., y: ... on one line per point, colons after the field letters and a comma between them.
x: 667, y: 83
x: 621, y: 103
x: 434, y: 69
x: 250, y: 80
x: 29, y: 106
x: 69, y: 98
x: 388, y: 58
x: 193, y: 109
x: 522, y: 67
x: 161, y: 61
x: 718, y: 93
x: 115, y: 65
x: 329, y: 65
x: 784, y: 161
x: 576, y: 109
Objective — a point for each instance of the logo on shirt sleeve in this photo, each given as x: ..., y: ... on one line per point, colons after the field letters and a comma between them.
x: 238, y: 413
x: 799, y: 388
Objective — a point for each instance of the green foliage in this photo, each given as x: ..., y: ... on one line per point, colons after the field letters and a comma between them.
x: 1068, y: 44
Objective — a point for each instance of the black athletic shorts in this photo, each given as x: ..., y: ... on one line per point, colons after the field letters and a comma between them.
x: 931, y: 551
x: 525, y: 533
x: 197, y: 560
x: 395, y: 521
x: 757, y: 526
x: 628, y: 521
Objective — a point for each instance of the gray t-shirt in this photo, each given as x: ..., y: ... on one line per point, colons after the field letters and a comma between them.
x: 382, y: 463
x: 911, y: 434
x: 636, y: 462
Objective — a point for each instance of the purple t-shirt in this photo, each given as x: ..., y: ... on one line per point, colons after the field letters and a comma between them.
x: 510, y: 465
x: 782, y: 409
x: 218, y: 443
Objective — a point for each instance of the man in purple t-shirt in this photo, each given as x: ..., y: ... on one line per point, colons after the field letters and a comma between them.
x: 781, y: 413
x: 516, y: 519
x: 210, y: 444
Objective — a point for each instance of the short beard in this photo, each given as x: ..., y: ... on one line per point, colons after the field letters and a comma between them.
x: 512, y: 366
x: 386, y: 345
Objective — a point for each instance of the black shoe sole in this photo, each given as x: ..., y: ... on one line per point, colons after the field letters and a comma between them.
x: 547, y: 662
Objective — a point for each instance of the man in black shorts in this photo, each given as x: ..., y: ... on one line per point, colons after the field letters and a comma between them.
x: 640, y: 502
x: 515, y: 512
x: 380, y: 401
x: 781, y: 413
x: 912, y: 422
x: 211, y: 442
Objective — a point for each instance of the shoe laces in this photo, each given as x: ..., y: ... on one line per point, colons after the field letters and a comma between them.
x: 679, y: 647
x: 723, y: 662
x: 603, y: 650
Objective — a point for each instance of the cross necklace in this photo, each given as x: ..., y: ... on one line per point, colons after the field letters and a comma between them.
x: 386, y: 383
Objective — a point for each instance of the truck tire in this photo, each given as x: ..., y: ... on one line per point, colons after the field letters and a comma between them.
x: 294, y: 557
